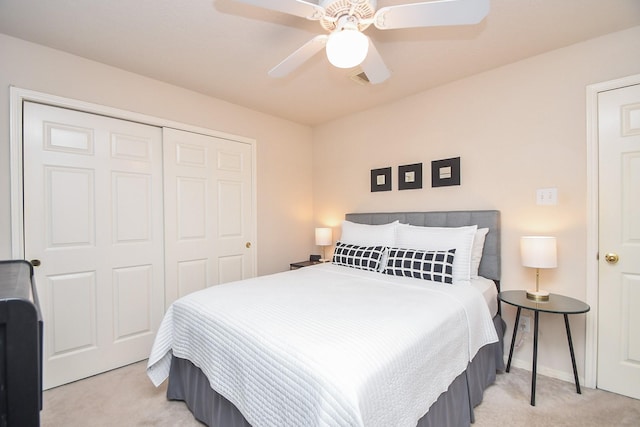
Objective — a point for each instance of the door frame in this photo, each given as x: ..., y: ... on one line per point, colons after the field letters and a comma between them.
x: 18, y: 96
x: 592, y: 273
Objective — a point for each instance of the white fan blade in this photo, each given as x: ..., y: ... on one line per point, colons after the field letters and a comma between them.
x: 431, y: 14
x: 374, y: 67
x: 298, y: 57
x: 300, y: 8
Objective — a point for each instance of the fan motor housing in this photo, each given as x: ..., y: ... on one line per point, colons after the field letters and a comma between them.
x: 362, y: 10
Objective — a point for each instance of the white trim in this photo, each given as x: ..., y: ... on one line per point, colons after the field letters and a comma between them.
x: 546, y: 371
x: 18, y: 96
x: 15, y: 166
x: 591, y: 338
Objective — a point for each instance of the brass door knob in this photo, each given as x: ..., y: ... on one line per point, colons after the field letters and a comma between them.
x: 611, y: 258
x: 247, y: 245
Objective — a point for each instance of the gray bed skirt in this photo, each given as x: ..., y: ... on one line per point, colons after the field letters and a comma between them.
x: 454, y: 408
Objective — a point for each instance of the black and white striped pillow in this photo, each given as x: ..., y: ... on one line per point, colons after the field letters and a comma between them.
x: 362, y: 257
x: 428, y: 265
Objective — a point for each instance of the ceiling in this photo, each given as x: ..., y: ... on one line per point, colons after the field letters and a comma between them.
x: 223, y: 48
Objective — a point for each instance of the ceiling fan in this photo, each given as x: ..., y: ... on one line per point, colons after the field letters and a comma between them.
x: 347, y: 46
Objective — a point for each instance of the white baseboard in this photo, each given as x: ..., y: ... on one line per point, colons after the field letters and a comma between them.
x: 546, y: 371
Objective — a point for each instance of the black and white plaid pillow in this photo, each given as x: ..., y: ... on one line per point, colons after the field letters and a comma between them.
x: 362, y: 257
x: 428, y: 265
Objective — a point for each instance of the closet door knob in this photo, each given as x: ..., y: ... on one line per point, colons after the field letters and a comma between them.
x: 35, y: 262
x: 248, y: 245
x: 611, y: 258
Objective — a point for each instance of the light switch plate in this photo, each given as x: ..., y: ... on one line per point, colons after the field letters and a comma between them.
x: 547, y: 196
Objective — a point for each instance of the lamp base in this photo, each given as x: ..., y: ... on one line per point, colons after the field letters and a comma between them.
x: 539, y: 295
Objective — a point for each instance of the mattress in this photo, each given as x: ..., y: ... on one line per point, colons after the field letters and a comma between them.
x: 373, y: 349
x: 489, y: 292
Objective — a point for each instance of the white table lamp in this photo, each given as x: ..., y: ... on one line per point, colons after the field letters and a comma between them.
x: 323, y: 239
x: 538, y: 252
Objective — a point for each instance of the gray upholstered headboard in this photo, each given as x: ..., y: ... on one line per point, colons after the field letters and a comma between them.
x: 490, y: 263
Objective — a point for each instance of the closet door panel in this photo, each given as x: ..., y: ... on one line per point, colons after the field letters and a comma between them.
x: 93, y: 216
x: 208, y: 211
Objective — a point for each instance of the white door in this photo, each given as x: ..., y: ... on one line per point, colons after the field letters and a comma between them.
x: 619, y: 235
x: 93, y: 217
x: 208, y: 211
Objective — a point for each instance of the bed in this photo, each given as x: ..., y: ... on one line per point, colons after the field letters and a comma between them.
x: 365, y: 349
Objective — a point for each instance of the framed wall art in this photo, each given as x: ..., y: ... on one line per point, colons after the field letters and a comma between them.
x: 410, y: 176
x: 445, y: 172
x: 381, y: 179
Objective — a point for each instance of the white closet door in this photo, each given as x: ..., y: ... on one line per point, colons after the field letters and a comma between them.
x: 208, y: 211
x: 93, y: 217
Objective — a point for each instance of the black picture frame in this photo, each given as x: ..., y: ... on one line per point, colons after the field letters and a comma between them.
x: 445, y: 172
x: 381, y: 179
x: 410, y: 176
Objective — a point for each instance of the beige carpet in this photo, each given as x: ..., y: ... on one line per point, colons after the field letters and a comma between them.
x: 126, y: 397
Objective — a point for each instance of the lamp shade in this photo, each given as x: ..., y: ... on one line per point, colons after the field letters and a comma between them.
x: 538, y: 251
x: 347, y: 48
x: 323, y: 236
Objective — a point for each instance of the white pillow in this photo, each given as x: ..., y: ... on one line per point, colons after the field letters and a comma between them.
x: 441, y: 238
x: 368, y: 235
x: 476, y: 250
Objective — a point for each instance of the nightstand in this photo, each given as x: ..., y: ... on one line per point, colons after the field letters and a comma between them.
x: 300, y: 264
x: 557, y: 304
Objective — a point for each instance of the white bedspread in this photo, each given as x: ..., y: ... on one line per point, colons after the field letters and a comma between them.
x: 326, y: 345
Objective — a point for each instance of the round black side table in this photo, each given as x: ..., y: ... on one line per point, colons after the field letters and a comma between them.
x: 557, y: 304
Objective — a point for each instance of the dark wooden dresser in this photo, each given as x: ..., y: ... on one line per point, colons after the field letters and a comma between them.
x: 20, y: 346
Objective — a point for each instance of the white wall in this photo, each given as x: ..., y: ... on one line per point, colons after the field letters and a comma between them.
x: 516, y: 128
x: 285, y: 226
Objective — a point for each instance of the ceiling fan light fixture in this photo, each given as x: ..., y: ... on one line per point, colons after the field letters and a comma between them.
x: 347, y: 48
